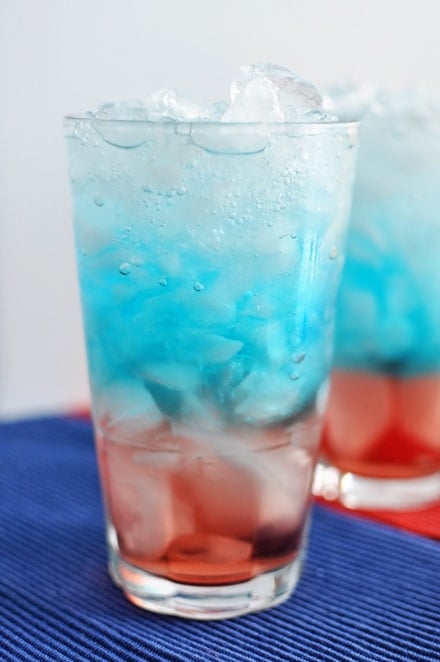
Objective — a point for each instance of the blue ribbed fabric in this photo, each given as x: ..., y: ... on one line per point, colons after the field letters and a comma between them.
x: 368, y: 592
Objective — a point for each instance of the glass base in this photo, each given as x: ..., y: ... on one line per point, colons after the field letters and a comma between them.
x: 362, y: 492
x: 161, y: 595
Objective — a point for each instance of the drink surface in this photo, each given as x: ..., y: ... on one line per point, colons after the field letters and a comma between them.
x: 208, y: 261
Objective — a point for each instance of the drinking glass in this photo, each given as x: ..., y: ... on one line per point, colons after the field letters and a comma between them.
x: 381, y: 446
x: 209, y: 257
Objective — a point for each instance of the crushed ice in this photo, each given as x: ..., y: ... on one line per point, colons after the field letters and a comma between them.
x: 263, y: 93
x: 270, y: 93
x: 351, y: 100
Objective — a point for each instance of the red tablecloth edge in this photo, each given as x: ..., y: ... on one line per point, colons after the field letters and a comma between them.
x: 424, y: 521
x: 81, y: 411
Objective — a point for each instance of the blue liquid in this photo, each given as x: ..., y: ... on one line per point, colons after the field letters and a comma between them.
x: 388, y: 317
x: 208, y: 280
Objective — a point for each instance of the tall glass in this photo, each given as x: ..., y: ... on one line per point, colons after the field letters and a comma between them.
x: 382, y: 435
x: 209, y: 257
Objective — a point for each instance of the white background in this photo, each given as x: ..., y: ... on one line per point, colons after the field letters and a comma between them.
x: 60, y: 56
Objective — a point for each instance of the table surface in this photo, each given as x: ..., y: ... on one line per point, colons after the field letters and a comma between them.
x: 370, y: 591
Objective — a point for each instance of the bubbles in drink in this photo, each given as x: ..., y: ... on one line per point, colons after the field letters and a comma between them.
x: 98, y: 200
x: 124, y: 268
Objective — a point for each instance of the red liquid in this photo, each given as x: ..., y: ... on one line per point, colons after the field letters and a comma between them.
x: 382, y: 426
x: 209, y: 511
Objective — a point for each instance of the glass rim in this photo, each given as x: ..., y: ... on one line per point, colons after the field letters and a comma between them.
x: 395, y: 117
x: 346, y: 122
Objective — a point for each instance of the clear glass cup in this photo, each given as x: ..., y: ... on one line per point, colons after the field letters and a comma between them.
x: 209, y: 257
x: 381, y: 447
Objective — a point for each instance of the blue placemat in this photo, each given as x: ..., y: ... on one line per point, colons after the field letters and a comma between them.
x: 368, y: 592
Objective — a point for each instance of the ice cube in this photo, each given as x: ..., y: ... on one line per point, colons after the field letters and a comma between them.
x: 283, y: 468
x: 175, y: 388
x: 173, y: 375
x: 242, y: 481
x: 253, y: 101
x: 134, y: 109
x: 216, y: 307
x: 360, y: 411
x: 141, y: 514
x: 270, y: 93
x: 224, y: 494
x: 127, y: 404
x: 274, y: 340
x: 171, y: 402
x: 285, y: 477
x: 230, y: 139
x: 146, y: 512
x: 141, y: 503
x: 215, y: 348
x: 165, y: 104
x: 278, y: 465
x: 264, y: 397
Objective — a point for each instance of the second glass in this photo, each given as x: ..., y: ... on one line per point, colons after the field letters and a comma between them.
x: 381, y: 444
x: 209, y: 257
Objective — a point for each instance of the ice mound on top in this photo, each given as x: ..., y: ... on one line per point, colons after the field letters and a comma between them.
x: 263, y: 93
x: 270, y: 93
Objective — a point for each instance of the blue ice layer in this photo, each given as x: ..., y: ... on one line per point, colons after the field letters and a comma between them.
x: 234, y: 337
x: 388, y: 314
x: 208, y: 276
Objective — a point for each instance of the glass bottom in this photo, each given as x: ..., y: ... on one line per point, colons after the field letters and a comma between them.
x: 164, y: 596
x: 363, y: 492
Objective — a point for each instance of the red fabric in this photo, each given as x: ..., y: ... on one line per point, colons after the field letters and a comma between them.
x: 80, y: 412
x: 425, y: 521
